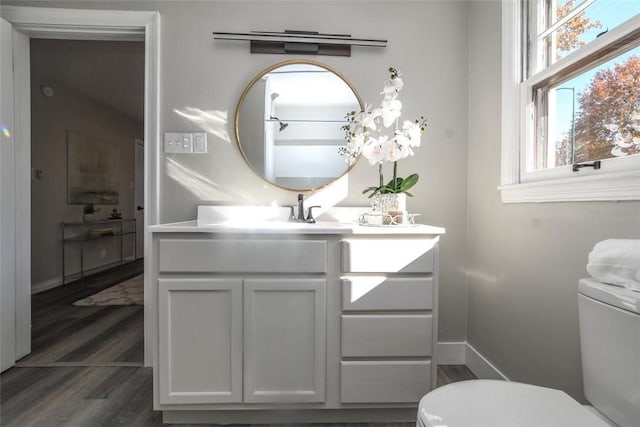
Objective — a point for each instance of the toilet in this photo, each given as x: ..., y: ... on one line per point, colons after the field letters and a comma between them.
x: 610, y: 347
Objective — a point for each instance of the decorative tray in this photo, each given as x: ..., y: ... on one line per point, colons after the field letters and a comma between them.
x: 378, y: 219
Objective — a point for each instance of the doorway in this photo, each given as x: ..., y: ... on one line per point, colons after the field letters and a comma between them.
x: 28, y: 23
x: 87, y: 116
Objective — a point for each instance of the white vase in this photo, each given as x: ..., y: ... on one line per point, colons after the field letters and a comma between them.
x: 398, y: 202
x: 391, y: 206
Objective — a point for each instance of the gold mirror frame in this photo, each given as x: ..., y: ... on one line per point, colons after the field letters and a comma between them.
x: 250, y: 86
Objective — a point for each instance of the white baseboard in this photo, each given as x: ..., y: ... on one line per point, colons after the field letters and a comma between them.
x: 481, y: 366
x: 36, y: 288
x: 463, y: 353
x: 451, y: 353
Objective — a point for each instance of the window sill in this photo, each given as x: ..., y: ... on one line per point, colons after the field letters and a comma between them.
x: 601, y: 187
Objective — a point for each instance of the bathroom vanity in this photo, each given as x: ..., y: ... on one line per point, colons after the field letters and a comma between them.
x: 326, y: 322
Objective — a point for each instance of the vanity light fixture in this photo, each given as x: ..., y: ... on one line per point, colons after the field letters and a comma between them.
x: 300, y: 42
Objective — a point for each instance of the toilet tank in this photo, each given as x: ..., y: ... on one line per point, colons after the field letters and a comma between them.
x: 610, y: 348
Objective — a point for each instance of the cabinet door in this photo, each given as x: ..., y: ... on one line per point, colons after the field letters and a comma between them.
x: 200, y: 340
x: 284, y: 341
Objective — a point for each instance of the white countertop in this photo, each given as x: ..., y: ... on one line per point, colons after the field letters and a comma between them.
x: 321, y: 227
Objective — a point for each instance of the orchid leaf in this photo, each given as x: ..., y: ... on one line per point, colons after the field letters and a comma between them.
x: 409, y: 182
x: 366, y: 190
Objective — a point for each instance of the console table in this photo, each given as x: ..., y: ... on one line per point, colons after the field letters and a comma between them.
x: 81, y: 232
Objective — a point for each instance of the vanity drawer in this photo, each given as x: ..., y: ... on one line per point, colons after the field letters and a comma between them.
x: 242, y: 256
x: 384, y: 381
x: 386, y: 335
x: 379, y: 293
x: 396, y: 255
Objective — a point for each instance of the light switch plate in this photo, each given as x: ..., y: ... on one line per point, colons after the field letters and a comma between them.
x: 200, y: 142
x: 178, y: 142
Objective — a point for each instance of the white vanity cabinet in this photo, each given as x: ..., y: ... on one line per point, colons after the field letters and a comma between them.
x: 235, y: 325
x: 201, y: 344
x: 333, y: 325
x: 284, y: 337
x: 388, y: 320
x: 200, y: 340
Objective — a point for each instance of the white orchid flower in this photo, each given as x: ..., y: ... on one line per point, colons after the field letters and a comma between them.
x: 390, y: 96
x: 373, y: 150
x: 391, y: 151
x: 405, y: 149
x: 357, y: 141
x: 389, y: 93
x: 369, y: 121
x: 395, y: 151
x: 357, y: 126
x: 359, y: 117
x: 392, y: 86
x: 402, y: 139
x: 390, y: 112
x: 413, y: 131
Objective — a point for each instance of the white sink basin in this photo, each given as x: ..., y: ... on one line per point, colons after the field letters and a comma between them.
x: 241, y: 215
x: 267, y: 224
x: 257, y: 217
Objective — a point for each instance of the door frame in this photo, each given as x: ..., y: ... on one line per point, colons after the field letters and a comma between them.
x: 7, y: 204
x: 79, y: 24
x: 136, y: 188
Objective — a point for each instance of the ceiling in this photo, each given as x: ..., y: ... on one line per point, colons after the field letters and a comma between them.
x: 109, y: 72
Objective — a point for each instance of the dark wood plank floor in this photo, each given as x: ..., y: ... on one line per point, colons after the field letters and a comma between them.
x: 108, y: 396
x: 453, y: 373
x: 63, y: 334
x: 86, y: 366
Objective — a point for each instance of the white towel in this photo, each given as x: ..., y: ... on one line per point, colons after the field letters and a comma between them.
x: 616, y: 262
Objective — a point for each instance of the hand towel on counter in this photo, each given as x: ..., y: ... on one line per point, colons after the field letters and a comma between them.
x: 616, y: 262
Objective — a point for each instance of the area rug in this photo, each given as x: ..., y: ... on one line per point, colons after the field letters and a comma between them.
x: 129, y: 292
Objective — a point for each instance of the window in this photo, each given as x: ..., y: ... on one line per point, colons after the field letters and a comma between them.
x: 571, y: 100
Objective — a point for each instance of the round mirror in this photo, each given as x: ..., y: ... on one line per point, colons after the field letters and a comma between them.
x: 289, y: 124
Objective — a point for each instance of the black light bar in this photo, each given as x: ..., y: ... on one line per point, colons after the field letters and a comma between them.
x: 301, y: 42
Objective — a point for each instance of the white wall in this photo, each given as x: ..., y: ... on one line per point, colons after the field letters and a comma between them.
x: 51, y: 118
x: 204, y: 77
x: 524, y: 260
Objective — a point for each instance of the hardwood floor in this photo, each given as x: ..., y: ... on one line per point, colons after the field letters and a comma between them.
x: 453, y: 373
x: 77, y: 396
x: 108, y: 396
x: 63, y: 334
x: 86, y: 366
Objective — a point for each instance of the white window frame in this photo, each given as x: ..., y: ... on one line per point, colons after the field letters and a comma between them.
x: 618, y: 179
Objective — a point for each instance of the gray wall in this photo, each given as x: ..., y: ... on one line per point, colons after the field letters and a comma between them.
x: 524, y: 260
x: 205, y: 77
x: 51, y: 118
x: 252, y: 123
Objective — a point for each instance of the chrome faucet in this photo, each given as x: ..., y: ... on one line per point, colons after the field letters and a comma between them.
x: 300, y: 208
x: 301, y: 218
